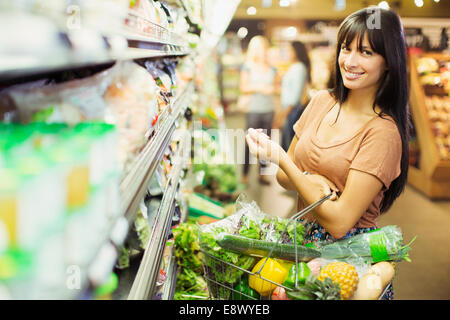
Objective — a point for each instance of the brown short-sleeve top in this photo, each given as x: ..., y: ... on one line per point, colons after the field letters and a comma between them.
x: 376, y: 149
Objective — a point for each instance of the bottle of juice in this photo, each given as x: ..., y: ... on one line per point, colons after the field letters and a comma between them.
x: 103, y: 149
x: 9, y: 184
x: 71, y: 154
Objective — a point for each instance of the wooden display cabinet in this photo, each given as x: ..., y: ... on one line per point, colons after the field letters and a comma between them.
x: 433, y: 175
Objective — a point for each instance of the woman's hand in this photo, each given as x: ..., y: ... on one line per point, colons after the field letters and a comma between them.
x: 326, y: 185
x: 262, y: 147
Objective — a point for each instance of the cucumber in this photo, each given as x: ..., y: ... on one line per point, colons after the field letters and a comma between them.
x: 261, y: 248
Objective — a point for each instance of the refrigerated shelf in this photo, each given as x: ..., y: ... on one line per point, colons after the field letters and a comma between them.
x: 144, y: 284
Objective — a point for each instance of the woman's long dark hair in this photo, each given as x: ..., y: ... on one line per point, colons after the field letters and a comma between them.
x: 302, y: 55
x: 385, y: 34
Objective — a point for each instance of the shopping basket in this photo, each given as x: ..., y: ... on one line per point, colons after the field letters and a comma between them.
x: 224, y: 278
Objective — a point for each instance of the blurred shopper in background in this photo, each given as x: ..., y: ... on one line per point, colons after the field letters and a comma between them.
x: 258, y: 82
x: 293, y: 91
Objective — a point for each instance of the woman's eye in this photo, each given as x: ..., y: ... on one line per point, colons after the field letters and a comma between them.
x: 367, y: 52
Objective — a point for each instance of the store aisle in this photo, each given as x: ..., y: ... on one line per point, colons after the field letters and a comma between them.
x: 427, y: 277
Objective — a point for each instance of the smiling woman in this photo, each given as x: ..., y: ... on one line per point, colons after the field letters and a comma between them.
x: 352, y: 140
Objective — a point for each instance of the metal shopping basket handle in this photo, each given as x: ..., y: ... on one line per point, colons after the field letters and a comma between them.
x: 294, y: 219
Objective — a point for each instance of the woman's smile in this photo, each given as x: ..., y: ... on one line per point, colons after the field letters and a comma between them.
x: 352, y: 75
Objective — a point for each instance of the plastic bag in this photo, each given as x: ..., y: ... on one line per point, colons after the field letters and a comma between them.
x: 384, y: 244
x: 132, y: 103
x: 70, y: 102
x: 250, y: 222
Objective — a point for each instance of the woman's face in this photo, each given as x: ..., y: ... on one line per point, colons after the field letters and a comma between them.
x: 259, y: 50
x: 291, y: 56
x: 360, y: 69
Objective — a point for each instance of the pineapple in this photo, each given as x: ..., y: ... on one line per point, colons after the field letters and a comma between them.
x: 314, y: 289
x: 343, y: 274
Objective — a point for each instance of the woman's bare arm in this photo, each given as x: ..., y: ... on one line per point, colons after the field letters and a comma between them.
x: 337, y: 216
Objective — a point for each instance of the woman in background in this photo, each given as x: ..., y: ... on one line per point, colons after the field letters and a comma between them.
x: 292, y: 90
x: 258, y: 79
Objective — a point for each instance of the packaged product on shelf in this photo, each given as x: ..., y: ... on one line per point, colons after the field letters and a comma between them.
x: 438, y: 112
x: 200, y: 205
x: 162, y: 18
x: 30, y: 182
x: 124, y: 95
x: 133, y: 104
x: 137, y: 238
x: 143, y: 12
x: 163, y: 81
x: 434, y: 74
x: 426, y: 65
x: 69, y: 102
x: 105, y: 290
x: 179, y: 24
x: 185, y: 71
x: 53, y: 208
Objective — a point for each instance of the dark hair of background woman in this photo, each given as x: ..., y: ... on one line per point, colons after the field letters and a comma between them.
x: 302, y: 55
x: 392, y: 95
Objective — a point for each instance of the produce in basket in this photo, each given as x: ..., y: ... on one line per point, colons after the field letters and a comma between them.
x: 279, y: 294
x: 371, y: 285
x: 315, y: 289
x: 242, y: 291
x: 316, y: 264
x: 261, y: 248
x: 342, y: 273
x: 385, y: 244
x: 224, y: 268
x: 298, y: 274
x: 216, y: 261
x: 268, y: 269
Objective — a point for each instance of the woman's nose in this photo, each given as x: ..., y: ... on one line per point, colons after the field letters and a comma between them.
x: 351, y: 60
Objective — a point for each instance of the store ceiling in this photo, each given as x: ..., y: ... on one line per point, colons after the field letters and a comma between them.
x: 325, y: 9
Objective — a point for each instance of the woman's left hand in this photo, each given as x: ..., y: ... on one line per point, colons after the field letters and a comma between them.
x: 326, y: 185
x: 262, y: 147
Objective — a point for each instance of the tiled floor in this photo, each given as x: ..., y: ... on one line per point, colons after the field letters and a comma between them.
x: 428, y: 275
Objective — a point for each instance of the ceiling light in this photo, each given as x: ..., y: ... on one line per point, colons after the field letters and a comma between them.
x: 436, y: 1
x: 419, y: 3
x: 285, y: 3
x: 266, y: 3
x: 251, y: 11
x: 242, y: 32
x: 290, y: 32
x: 340, y: 5
x: 384, y: 5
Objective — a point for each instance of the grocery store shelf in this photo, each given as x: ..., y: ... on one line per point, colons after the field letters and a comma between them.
x: 171, y: 280
x: 190, y: 13
x: 134, y: 184
x: 144, y: 284
x: 153, y: 33
x: 79, y: 48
